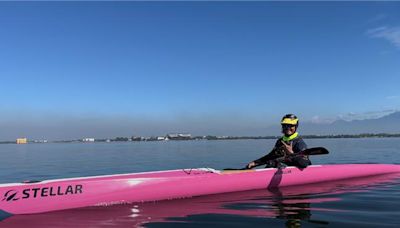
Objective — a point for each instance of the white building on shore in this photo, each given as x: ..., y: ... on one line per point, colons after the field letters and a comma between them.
x: 179, y: 136
x: 88, y: 140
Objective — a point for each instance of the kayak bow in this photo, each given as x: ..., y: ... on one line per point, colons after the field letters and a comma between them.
x: 52, y: 195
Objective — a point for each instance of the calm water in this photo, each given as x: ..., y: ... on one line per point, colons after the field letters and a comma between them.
x: 373, y: 202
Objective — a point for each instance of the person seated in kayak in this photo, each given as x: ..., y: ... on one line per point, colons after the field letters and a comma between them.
x: 288, y: 145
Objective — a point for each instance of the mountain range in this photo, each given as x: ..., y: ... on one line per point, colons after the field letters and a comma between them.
x: 386, y: 124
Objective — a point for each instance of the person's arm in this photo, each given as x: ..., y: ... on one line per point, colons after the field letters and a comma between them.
x: 303, y: 160
x: 261, y: 161
x: 264, y: 159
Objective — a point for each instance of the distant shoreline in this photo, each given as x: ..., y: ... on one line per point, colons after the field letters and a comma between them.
x: 210, y: 137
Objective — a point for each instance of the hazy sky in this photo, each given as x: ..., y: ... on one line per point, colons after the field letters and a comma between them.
x: 106, y: 69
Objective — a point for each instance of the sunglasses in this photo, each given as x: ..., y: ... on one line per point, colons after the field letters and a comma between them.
x: 287, y: 126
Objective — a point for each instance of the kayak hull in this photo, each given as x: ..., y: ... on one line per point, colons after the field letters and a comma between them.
x: 70, y: 193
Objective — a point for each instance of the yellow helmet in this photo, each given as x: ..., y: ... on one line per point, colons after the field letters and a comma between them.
x: 290, y: 119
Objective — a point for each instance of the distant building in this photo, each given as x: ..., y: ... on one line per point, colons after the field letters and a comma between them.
x: 179, y: 136
x: 160, y: 138
x: 137, y: 138
x: 88, y: 140
x: 22, y: 140
x: 222, y: 137
x: 152, y: 138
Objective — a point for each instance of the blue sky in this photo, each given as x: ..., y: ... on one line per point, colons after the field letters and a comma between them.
x: 103, y: 69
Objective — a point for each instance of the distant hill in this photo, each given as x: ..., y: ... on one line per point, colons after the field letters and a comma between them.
x: 386, y: 124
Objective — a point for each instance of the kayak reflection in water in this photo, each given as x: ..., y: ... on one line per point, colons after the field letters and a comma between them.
x: 296, y: 209
x: 285, y: 147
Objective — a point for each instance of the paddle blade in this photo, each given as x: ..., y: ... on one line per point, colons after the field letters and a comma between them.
x: 315, y: 151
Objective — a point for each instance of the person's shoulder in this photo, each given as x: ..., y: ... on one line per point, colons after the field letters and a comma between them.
x: 300, y: 143
x: 278, y: 141
x: 299, y: 138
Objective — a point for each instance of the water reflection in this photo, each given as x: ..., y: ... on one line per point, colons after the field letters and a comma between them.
x: 289, y: 206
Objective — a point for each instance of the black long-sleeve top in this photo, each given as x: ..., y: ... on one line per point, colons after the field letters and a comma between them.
x: 298, y: 146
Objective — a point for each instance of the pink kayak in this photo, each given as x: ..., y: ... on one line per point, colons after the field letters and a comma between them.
x: 266, y: 204
x: 53, y: 195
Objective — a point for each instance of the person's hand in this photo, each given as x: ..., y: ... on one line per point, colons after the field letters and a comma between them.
x: 288, y: 148
x: 251, y: 165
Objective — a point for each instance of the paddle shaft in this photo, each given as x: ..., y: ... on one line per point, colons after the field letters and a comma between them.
x: 307, y: 152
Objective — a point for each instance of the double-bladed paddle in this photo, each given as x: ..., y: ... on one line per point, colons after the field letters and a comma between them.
x: 307, y: 152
